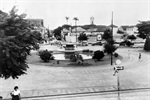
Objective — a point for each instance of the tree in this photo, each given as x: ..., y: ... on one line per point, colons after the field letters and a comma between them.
x: 76, y: 19
x: 57, y: 33
x: 144, y: 32
x: 143, y: 28
x: 107, y: 34
x: 108, y: 48
x: 131, y: 37
x: 82, y: 37
x: 66, y: 26
x: 46, y: 55
x: 16, y: 43
x: 67, y: 18
x: 147, y: 44
x: 98, y: 55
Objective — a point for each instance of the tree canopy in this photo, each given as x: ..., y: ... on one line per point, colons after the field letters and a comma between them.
x: 17, y: 41
x: 82, y: 37
x: 107, y: 34
x: 143, y: 28
x: 57, y: 33
x: 144, y: 32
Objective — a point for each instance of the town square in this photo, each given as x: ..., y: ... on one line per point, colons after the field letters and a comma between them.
x: 73, y: 60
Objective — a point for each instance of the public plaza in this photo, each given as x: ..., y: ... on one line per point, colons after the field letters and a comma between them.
x: 92, y: 82
x: 122, y: 77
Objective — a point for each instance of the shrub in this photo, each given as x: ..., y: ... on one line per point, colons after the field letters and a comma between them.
x: 131, y: 37
x: 116, y: 54
x: 76, y: 58
x: 128, y: 43
x: 90, y: 51
x: 46, y: 55
x: 86, y: 50
x: 82, y: 37
x: 108, y: 48
x: 73, y: 58
x: 98, y: 55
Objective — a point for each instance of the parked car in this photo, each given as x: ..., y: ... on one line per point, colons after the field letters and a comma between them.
x: 83, y: 43
x: 123, y: 43
x: 126, y: 43
x: 97, y: 43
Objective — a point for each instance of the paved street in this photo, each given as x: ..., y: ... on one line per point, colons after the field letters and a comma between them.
x: 48, y: 80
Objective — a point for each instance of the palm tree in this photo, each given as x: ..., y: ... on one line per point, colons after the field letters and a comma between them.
x: 76, y: 19
x: 67, y: 18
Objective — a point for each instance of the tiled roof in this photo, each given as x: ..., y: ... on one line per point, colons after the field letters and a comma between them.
x: 79, y: 29
x: 127, y: 26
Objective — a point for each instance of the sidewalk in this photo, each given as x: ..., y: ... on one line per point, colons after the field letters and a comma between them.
x: 75, y: 92
x: 123, y: 95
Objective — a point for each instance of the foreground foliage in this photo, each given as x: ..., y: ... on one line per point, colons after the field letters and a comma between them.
x: 17, y: 39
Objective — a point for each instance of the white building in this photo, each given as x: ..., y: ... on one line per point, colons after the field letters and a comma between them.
x: 130, y: 30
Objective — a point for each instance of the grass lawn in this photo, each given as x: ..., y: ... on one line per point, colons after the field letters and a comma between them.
x: 35, y: 59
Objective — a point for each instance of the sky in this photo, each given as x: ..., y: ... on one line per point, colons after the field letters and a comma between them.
x: 125, y: 12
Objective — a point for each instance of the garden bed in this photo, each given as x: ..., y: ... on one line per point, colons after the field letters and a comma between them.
x: 35, y: 59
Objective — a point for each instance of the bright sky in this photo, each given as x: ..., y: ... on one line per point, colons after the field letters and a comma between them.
x: 125, y: 12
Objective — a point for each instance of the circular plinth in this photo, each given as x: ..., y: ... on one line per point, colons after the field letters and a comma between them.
x: 63, y: 57
x: 65, y: 51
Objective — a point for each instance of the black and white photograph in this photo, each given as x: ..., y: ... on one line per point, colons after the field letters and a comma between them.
x: 74, y: 49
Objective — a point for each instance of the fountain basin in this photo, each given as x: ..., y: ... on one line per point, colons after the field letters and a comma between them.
x: 63, y: 56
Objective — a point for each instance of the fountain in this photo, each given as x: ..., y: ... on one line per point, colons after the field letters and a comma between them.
x: 68, y: 49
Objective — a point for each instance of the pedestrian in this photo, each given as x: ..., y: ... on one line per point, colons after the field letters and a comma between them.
x: 15, y: 94
x: 129, y: 53
x: 1, y: 98
x: 139, y: 56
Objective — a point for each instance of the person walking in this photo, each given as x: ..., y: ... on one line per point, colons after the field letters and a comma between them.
x: 129, y: 53
x: 139, y: 56
x: 15, y: 94
x: 1, y: 98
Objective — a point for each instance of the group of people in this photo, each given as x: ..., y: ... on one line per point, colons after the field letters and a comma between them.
x: 139, y: 55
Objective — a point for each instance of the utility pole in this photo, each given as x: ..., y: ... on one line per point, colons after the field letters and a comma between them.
x: 112, y: 38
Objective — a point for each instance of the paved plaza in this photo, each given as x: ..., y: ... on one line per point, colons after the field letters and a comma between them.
x: 51, y: 81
